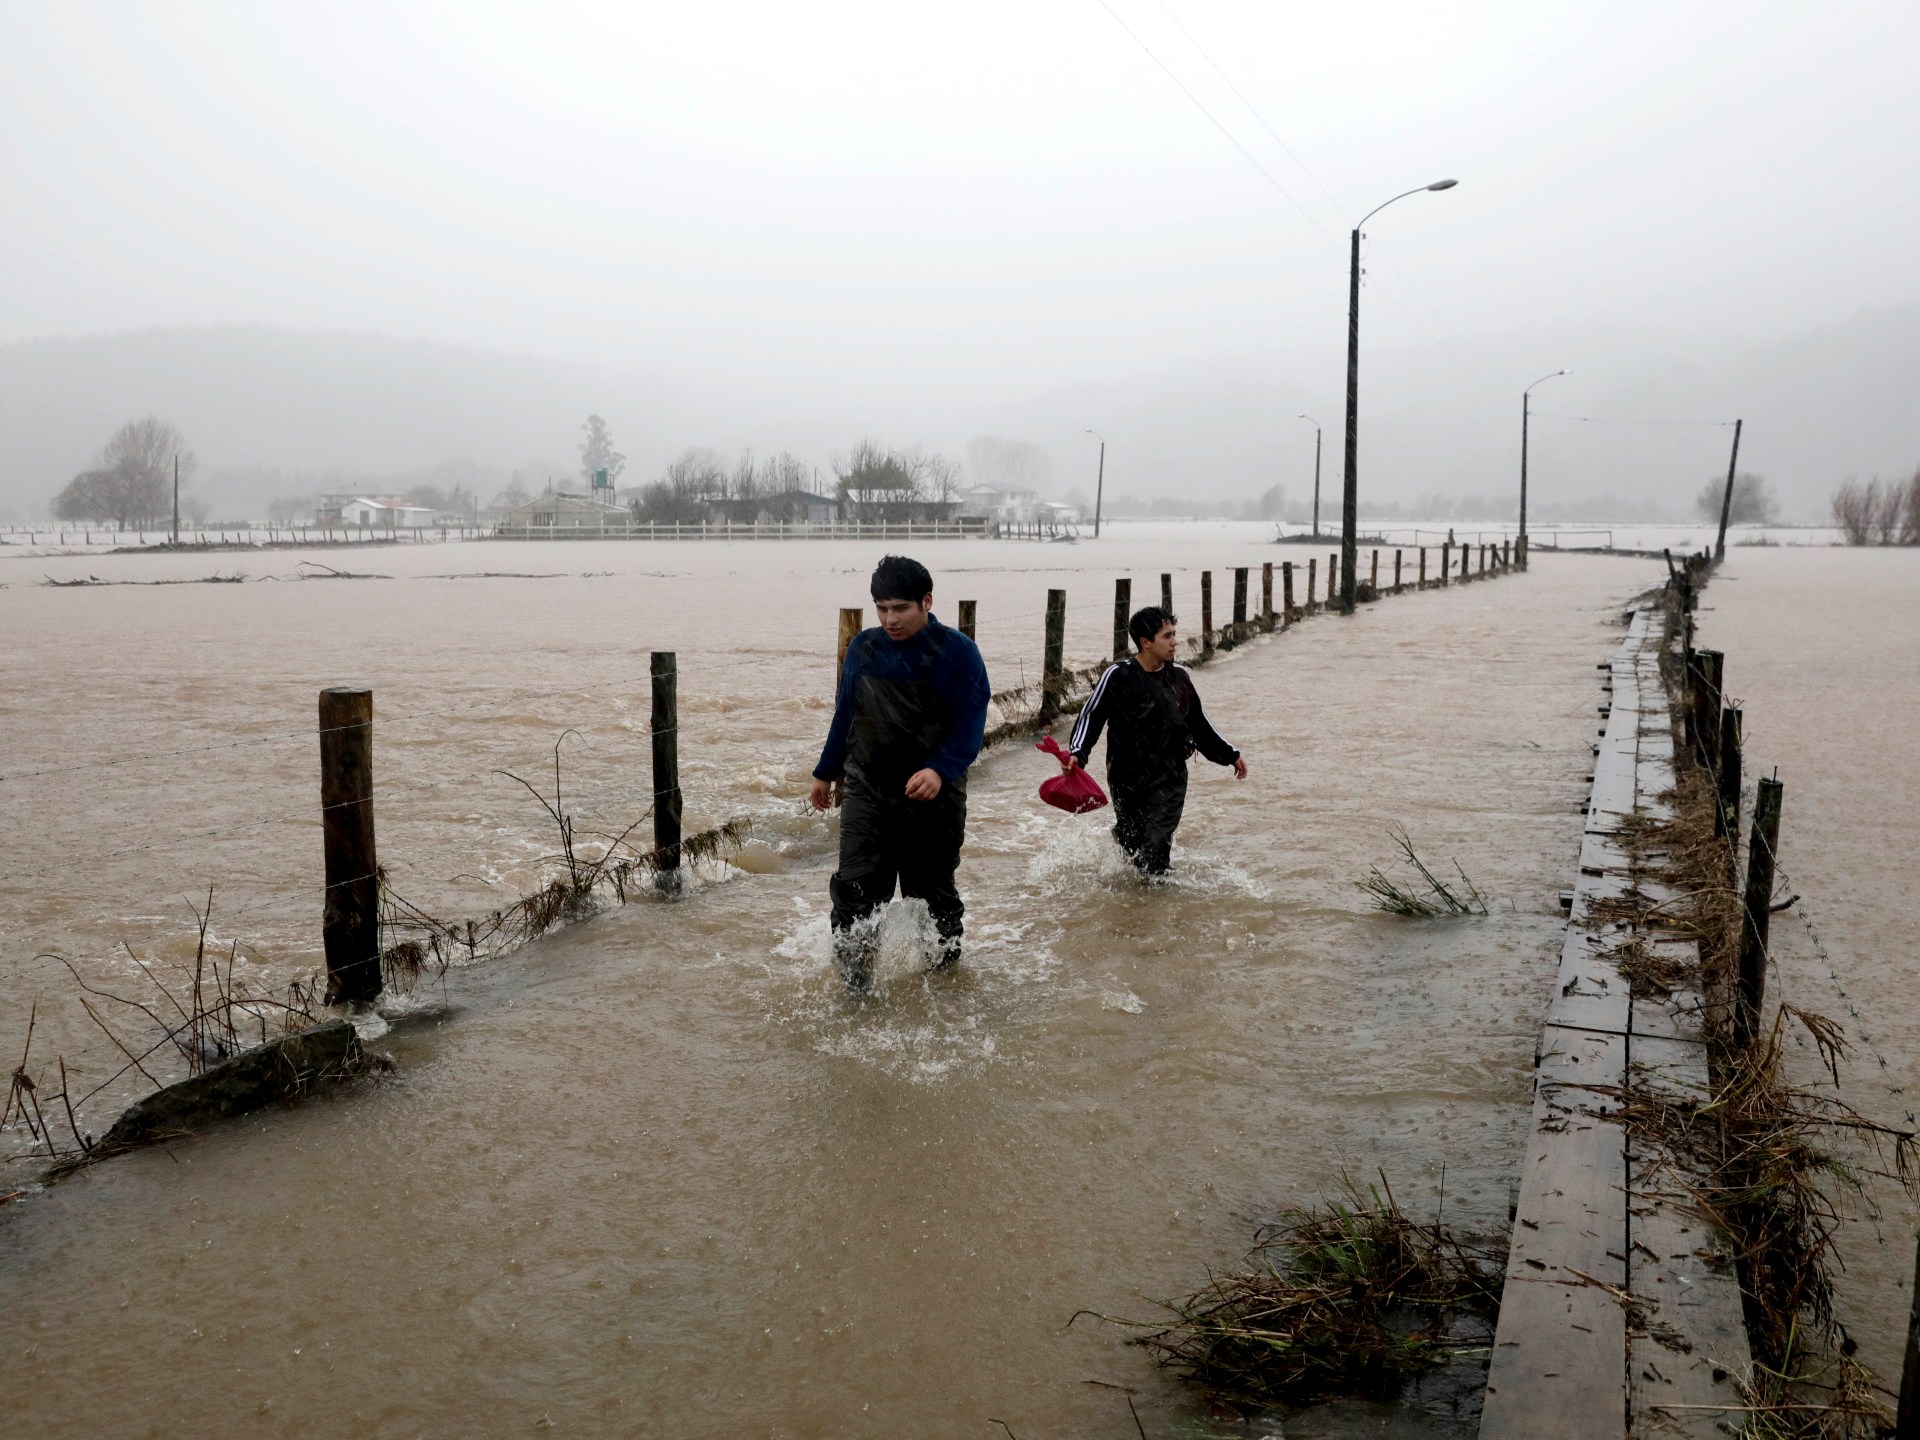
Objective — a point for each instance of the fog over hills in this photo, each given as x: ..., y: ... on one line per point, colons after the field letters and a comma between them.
x: 278, y: 412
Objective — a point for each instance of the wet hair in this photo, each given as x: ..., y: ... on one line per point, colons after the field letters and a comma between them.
x: 1148, y: 623
x: 898, y: 578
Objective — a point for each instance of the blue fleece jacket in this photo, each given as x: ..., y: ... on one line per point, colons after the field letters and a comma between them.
x: 940, y: 656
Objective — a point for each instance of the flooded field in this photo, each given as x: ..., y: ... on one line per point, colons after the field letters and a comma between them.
x: 1823, y: 649
x: 654, y: 1175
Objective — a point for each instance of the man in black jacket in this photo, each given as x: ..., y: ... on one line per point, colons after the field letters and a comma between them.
x: 907, y: 723
x: 1153, y: 719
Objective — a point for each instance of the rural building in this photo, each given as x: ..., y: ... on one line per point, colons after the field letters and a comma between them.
x: 790, y: 507
x: 562, y: 512
x: 372, y: 513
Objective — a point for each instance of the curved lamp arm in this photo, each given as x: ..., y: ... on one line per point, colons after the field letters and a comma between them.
x: 1544, y: 378
x: 1436, y: 185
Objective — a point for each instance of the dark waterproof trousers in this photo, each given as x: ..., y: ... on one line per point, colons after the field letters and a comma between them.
x: 884, y: 839
x: 1146, y: 812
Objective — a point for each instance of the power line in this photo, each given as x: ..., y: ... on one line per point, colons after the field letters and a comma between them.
x: 1232, y: 139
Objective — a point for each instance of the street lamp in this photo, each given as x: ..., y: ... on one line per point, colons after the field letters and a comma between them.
x: 1100, y: 483
x: 1525, y: 402
x: 1350, y: 501
x: 1316, y: 472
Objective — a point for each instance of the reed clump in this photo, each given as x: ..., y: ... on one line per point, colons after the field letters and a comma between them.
x: 1350, y: 1297
x: 1431, y: 895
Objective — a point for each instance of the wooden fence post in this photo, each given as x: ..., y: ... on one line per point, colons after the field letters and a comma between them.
x: 1709, y: 665
x: 1053, y: 681
x: 1122, y: 612
x: 969, y: 614
x: 1333, y: 579
x: 665, y: 724
x: 350, y: 916
x: 1239, y: 601
x: 1727, y: 812
x: 1373, y: 575
x: 1906, y: 1424
x: 1287, y: 613
x: 1206, y: 613
x: 1423, y: 569
x: 1396, y: 572
x: 1310, y: 583
x: 1466, y: 562
x: 1758, y: 911
x: 1166, y: 592
x: 1446, y: 562
x: 1266, y: 597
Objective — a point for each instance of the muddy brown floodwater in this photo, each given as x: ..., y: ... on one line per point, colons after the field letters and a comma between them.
x: 654, y: 1175
x: 1823, y: 651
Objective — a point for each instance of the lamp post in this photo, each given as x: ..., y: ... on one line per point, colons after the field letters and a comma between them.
x: 1316, y: 472
x: 1525, y: 403
x: 1100, y: 482
x: 1350, y: 500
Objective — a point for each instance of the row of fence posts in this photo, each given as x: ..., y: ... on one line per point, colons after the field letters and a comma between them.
x: 1712, y: 730
x: 350, y: 914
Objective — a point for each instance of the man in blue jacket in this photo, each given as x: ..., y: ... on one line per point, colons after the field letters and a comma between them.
x: 907, y: 723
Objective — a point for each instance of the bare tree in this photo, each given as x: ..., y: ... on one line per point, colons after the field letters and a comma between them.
x: 692, y: 480
x: 784, y: 472
x: 132, y: 481
x: 1853, y: 507
x: 1880, y: 512
x: 1753, y: 500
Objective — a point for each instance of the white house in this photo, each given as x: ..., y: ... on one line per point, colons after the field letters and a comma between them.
x: 380, y: 513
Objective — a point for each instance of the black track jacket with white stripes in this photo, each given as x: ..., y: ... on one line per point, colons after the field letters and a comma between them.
x: 1154, y: 721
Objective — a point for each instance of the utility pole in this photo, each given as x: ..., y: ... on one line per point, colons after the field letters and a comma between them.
x: 1100, y: 482
x: 1316, y: 471
x: 1350, y: 495
x: 1350, y: 500
x: 1726, y: 502
x: 1526, y: 398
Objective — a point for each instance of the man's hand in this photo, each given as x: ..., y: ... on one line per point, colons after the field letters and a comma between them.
x: 1239, y: 768
x: 821, y: 795
x: 924, y: 785
x: 1069, y: 763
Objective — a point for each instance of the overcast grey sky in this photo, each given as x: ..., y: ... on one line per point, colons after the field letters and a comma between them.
x: 847, y: 208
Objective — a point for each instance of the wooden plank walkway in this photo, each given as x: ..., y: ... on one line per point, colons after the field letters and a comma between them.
x: 1621, y: 1315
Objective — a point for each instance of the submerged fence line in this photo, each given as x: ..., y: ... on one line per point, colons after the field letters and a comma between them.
x: 371, y: 936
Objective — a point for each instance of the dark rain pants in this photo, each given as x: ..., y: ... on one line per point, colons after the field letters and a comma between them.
x: 1145, y: 815
x: 884, y: 839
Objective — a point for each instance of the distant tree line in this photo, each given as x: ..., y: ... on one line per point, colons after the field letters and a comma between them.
x: 871, y: 482
x: 1880, y: 512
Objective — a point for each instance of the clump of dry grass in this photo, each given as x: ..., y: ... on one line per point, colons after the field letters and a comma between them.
x: 1348, y: 1297
x: 425, y: 941
x: 1432, y: 896
x: 1761, y: 1148
x: 199, y: 1013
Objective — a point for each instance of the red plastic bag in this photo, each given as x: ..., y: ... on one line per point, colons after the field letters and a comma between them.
x: 1074, y: 791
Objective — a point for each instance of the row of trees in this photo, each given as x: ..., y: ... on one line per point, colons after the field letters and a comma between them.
x: 1880, y: 512
x: 131, y: 484
x: 870, y: 481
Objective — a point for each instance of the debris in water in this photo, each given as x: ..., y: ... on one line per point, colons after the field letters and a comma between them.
x: 1440, y: 898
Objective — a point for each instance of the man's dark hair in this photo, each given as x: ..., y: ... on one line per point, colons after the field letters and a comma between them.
x: 1147, y: 623
x: 898, y: 578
